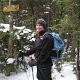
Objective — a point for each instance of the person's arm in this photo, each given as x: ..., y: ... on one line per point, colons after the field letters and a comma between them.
x: 27, y: 53
x: 30, y: 52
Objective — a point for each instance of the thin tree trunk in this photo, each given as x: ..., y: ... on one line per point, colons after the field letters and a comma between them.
x: 77, y: 63
x: 73, y: 46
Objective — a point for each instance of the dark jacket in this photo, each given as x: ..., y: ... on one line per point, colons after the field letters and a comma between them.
x: 42, y: 49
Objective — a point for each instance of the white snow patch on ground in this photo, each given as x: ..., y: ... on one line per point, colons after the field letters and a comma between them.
x: 65, y: 74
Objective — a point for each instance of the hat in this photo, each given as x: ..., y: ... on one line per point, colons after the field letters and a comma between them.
x: 42, y: 22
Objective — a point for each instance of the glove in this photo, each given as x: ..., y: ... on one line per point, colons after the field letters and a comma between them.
x: 21, y: 54
x: 32, y: 62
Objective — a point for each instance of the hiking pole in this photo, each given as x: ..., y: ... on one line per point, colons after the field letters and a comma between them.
x: 40, y: 71
x: 32, y: 73
x: 32, y: 69
x: 27, y: 75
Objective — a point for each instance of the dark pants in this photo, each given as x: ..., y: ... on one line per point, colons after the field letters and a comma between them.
x: 44, y: 72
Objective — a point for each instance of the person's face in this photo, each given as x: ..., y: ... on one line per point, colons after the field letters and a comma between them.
x: 39, y: 28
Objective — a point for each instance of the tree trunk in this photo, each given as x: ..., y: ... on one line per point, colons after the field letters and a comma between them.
x: 77, y: 63
x: 73, y: 46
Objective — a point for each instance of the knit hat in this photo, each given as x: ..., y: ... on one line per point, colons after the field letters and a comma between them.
x: 42, y: 22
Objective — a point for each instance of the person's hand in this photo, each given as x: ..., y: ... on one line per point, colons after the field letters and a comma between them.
x: 21, y: 53
x: 32, y: 62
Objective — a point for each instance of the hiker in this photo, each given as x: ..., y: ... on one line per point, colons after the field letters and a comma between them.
x: 42, y: 51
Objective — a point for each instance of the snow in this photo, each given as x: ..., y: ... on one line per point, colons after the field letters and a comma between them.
x: 18, y: 27
x: 10, y: 60
x: 22, y: 31
x: 26, y: 30
x: 21, y: 75
x: 65, y: 74
x: 7, y: 28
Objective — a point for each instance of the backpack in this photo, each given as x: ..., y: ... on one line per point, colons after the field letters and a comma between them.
x: 58, y: 47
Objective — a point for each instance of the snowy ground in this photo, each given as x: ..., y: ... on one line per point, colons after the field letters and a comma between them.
x: 65, y: 74
x: 21, y: 75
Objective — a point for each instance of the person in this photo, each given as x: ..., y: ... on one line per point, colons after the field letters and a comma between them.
x: 42, y: 51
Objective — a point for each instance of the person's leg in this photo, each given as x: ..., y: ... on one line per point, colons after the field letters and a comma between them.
x: 44, y: 72
x: 39, y: 76
x: 47, y: 72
